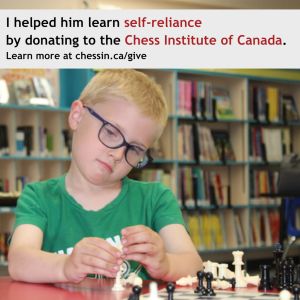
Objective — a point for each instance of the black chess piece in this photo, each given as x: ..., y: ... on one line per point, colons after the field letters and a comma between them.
x: 277, y: 254
x: 284, y: 276
x: 265, y: 282
x: 209, y: 278
x: 233, y: 283
x: 136, y: 291
x: 290, y: 272
x: 200, y: 289
x: 297, y: 279
x: 170, y: 290
x: 296, y: 291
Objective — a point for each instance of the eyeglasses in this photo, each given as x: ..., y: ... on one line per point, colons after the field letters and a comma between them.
x: 111, y: 137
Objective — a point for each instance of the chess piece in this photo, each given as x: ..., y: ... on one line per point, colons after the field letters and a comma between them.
x: 209, y: 278
x: 277, y: 254
x: 233, y: 283
x: 285, y: 295
x: 136, y: 291
x: 284, y: 276
x: 118, y: 283
x: 170, y: 290
x: 238, y: 263
x: 222, y: 271
x: 297, y: 279
x: 153, y: 291
x: 290, y: 273
x: 200, y: 289
x: 296, y: 291
x: 265, y: 282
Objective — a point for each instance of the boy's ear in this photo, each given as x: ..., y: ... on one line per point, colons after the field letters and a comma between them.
x: 75, y: 114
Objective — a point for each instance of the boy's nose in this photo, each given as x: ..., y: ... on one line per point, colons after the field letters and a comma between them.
x: 118, y: 153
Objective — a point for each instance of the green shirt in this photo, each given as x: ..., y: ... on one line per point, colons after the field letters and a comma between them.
x: 65, y: 222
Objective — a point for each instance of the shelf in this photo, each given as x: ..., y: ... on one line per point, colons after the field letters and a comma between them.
x: 35, y: 107
x: 6, y: 209
x: 34, y: 158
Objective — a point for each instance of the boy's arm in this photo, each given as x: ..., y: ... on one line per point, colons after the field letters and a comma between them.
x: 182, y: 255
x: 27, y: 262
x: 168, y: 255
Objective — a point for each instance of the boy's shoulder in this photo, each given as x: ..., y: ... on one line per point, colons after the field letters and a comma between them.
x: 146, y: 186
x: 47, y: 185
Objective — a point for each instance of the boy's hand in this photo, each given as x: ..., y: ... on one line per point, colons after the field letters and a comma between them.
x: 92, y: 256
x: 142, y: 244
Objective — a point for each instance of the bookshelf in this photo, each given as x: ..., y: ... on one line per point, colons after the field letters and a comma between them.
x: 38, y: 153
x: 245, y: 218
x: 238, y: 216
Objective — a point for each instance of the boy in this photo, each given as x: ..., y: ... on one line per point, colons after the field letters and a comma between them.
x: 68, y: 227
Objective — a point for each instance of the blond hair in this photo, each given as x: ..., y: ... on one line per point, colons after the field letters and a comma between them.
x: 134, y: 86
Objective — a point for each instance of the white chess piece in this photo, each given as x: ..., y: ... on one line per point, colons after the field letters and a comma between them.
x: 118, y: 281
x: 138, y: 281
x: 214, y: 269
x: 153, y: 291
x: 207, y: 266
x: 239, y: 277
x: 285, y: 295
x: 188, y: 280
x: 220, y: 284
x: 222, y: 270
x: 254, y: 280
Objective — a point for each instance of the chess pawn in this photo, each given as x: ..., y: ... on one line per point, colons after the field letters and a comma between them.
x: 200, y: 289
x: 277, y: 254
x: 209, y: 278
x: 296, y: 291
x: 265, y: 281
x: 284, y: 276
x: 136, y: 291
x: 170, y: 290
x: 297, y: 280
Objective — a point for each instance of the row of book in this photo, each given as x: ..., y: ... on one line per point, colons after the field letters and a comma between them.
x: 264, y: 186
x: 227, y: 229
x: 198, y: 187
x: 27, y: 91
x: 270, y: 144
x: 24, y: 141
x: 4, y: 237
x: 204, y: 100
x: 201, y: 143
x: 19, y: 184
x: 168, y: 178
x: 265, y: 227
x: 269, y: 104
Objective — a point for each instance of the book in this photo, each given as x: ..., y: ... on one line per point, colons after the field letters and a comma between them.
x: 4, y: 147
x: 223, y: 105
x: 23, y: 90
x: 43, y: 92
x: 289, y: 108
x: 272, y: 95
x: 223, y: 145
x: 4, y: 94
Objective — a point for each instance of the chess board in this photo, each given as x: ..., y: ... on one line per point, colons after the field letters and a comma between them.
x: 188, y: 294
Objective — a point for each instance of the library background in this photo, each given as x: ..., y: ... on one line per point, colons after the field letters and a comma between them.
x: 227, y: 133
